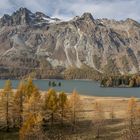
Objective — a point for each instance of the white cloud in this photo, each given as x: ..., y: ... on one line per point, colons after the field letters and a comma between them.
x: 112, y: 9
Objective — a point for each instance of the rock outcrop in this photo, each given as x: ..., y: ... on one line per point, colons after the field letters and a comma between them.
x: 34, y: 40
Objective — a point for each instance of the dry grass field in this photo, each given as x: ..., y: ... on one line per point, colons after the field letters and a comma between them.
x: 112, y: 128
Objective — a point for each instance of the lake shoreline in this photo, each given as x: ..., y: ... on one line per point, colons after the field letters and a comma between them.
x: 83, y: 87
x: 89, y: 96
x: 119, y: 87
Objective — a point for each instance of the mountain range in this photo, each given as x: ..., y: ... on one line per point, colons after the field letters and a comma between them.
x: 35, y: 42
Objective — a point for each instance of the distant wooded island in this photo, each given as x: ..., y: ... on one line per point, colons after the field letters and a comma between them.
x: 126, y: 81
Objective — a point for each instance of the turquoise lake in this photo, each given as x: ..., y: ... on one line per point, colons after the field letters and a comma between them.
x: 90, y: 88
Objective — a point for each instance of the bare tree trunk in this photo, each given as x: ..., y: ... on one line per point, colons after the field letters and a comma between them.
x: 62, y: 116
x: 74, y: 120
x: 98, y: 133
x: 21, y: 111
x: 52, y: 119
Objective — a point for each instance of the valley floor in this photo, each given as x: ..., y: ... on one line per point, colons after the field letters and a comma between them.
x: 118, y: 104
x: 113, y: 127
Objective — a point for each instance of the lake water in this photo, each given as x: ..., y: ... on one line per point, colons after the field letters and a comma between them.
x: 91, y: 88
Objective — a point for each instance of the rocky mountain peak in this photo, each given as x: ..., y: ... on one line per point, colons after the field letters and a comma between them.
x: 23, y: 11
x: 87, y: 16
x: 131, y: 22
x: 5, y: 20
x: 6, y: 16
x: 23, y: 16
x: 41, y: 15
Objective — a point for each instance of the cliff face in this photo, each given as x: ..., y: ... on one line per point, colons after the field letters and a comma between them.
x: 34, y: 40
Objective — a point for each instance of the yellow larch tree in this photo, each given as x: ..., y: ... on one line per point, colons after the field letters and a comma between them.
x: 75, y: 105
x: 131, y: 132
x: 98, y: 118
x: 31, y: 128
x: 29, y: 87
x: 50, y: 106
x: 18, y: 105
x: 7, y: 104
x: 62, y: 100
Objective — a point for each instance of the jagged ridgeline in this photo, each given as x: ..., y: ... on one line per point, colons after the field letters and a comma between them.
x: 36, y: 43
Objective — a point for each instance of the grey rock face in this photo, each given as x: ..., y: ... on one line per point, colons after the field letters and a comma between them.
x: 25, y: 17
x: 101, y: 44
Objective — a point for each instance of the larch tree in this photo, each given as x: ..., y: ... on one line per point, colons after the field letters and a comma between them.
x: 131, y: 112
x: 75, y: 105
x: 33, y: 104
x: 7, y: 104
x: 62, y: 100
x: 138, y: 81
x: 98, y: 118
x: 138, y: 115
x: 31, y: 129
x: 112, y: 113
x: 131, y: 131
x: 19, y: 104
x: 29, y: 87
x: 131, y: 83
x: 50, y: 106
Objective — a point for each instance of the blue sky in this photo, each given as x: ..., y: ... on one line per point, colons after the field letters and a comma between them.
x: 66, y: 9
